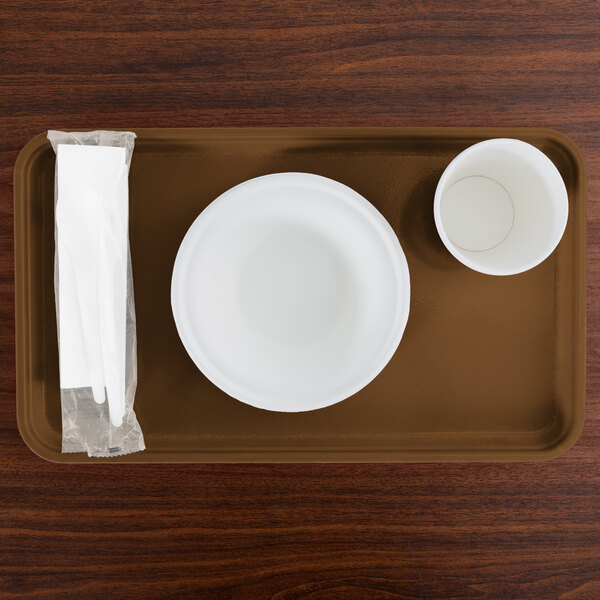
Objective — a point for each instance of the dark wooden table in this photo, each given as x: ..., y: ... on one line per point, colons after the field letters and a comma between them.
x: 432, y: 531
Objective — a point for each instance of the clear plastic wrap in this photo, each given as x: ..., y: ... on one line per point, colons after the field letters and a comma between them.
x: 94, y: 293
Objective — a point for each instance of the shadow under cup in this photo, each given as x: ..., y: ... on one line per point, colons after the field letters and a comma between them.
x: 501, y: 207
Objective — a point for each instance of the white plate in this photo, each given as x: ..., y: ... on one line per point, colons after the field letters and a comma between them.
x: 290, y: 292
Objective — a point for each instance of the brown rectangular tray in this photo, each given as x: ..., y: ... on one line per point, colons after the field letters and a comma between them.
x: 490, y: 368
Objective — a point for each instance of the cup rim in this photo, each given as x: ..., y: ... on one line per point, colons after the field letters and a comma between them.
x: 455, y: 251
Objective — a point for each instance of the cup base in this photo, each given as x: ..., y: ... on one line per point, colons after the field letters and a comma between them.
x: 477, y: 213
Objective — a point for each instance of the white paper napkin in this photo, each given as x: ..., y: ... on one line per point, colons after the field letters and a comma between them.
x: 92, y: 230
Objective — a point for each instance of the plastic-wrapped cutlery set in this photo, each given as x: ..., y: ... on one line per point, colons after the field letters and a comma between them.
x: 94, y: 293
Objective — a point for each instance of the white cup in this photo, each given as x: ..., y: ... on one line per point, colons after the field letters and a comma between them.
x: 501, y: 207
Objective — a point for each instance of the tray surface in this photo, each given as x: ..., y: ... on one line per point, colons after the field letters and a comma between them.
x: 489, y: 368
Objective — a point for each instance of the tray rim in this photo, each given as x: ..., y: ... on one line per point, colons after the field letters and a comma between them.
x: 35, y: 441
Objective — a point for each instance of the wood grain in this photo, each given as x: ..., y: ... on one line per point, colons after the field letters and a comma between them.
x: 291, y: 532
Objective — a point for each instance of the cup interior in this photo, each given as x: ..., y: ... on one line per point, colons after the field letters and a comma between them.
x: 501, y: 206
